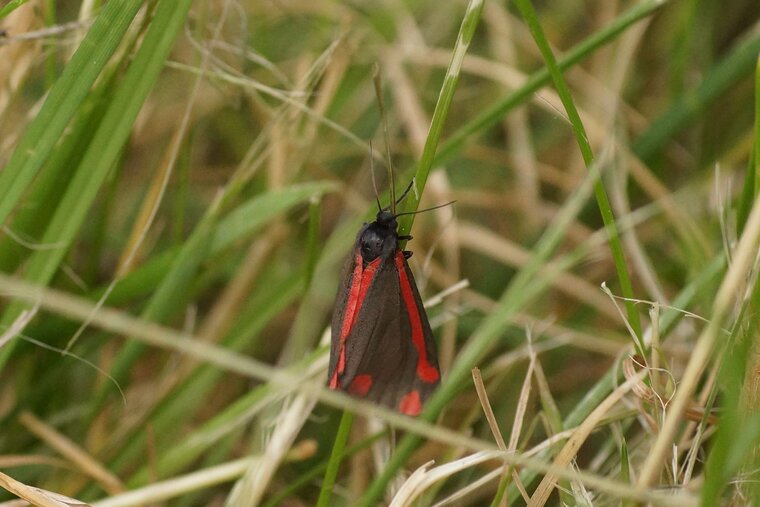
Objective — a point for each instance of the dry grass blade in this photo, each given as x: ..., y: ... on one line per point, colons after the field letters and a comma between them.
x: 81, y: 458
x: 18, y: 326
x: 288, y: 423
x: 480, y: 388
x: 581, y: 433
x: 178, y: 486
x: 37, y: 496
x: 424, y: 477
x: 733, y: 284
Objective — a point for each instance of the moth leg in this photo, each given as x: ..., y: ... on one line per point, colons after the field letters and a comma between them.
x: 405, y: 238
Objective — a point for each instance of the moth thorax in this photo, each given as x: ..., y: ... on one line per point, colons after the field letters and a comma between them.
x: 378, y: 240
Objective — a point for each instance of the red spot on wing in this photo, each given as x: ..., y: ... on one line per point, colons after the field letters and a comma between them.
x: 425, y: 371
x: 360, y: 283
x: 410, y: 403
x: 361, y: 385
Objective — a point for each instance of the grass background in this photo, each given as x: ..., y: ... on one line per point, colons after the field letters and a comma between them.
x: 181, y: 181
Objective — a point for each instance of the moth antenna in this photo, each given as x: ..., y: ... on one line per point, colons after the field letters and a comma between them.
x: 372, y: 172
x: 384, y: 119
x: 426, y: 209
x: 408, y: 188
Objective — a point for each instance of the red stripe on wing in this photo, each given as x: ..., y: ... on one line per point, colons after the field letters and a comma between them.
x: 360, y: 284
x: 425, y: 371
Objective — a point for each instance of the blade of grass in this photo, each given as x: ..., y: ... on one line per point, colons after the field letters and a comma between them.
x: 751, y: 187
x: 63, y: 100
x: 441, y: 112
x: 11, y: 6
x: 603, y: 203
x: 259, y: 210
x: 239, y: 225
x: 45, y: 193
x: 103, y: 150
x: 344, y: 430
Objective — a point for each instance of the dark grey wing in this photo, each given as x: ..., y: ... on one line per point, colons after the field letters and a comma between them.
x: 381, y: 357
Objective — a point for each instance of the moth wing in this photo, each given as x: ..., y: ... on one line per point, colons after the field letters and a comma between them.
x: 341, y: 301
x: 376, y: 312
x: 383, y: 362
x: 423, y: 375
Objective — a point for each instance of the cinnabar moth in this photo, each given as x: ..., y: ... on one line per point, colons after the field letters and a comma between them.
x: 382, y: 347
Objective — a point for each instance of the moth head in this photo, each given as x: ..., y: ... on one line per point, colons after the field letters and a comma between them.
x: 386, y: 219
x: 379, y: 238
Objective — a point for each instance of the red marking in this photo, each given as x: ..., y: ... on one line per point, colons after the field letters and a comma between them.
x: 410, y: 404
x: 360, y: 283
x: 425, y: 371
x: 361, y: 385
x: 334, y: 380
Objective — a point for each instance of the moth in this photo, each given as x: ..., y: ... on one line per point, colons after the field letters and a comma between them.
x: 382, y: 348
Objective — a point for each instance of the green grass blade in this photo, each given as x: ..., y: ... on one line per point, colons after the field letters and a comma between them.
x: 11, y: 6
x: 251, y: 215
x: 104, y: 148
x: 346, y: 421
x: 45, y: 193
x: 239, y: 225
x: 446, y: 95
x: 603, y: 203
x: 65, y: 97
x: 751, y: 188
